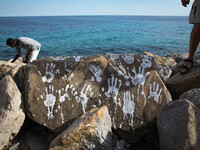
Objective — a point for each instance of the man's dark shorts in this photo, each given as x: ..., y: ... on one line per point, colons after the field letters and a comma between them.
x: 195, y: 12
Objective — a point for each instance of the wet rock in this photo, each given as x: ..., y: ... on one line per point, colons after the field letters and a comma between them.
x: 61, y: 89
x: 11, y: 113
x: 92, y: 130
x: 193, y: 96
x: 178, y: 126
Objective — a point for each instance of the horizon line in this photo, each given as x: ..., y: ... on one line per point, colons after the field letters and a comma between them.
x: 94, y: 15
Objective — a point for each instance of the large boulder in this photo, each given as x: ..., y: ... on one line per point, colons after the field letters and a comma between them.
x: 193, y: 96
x: 178, y: 84
x: 7, y: 68
x: 92, y: 130
x: 60, y: 89
x: 178, y: 126
x: 11, y: 114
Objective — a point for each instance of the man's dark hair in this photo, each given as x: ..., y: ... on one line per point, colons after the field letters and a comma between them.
x: 10, y: 41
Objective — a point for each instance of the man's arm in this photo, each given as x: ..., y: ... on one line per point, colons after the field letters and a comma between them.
x: 185, y: 2
x: 17, y: 55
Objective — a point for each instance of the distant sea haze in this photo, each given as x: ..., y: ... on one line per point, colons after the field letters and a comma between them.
x: 91, y: 35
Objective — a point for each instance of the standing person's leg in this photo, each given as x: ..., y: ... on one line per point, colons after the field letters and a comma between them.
x: 194, y: 42
x: 194, y: 36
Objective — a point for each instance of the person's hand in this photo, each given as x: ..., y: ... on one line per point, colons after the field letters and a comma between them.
x: 185, y: 2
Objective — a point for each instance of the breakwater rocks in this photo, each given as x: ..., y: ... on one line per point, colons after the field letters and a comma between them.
x: 111, y: 101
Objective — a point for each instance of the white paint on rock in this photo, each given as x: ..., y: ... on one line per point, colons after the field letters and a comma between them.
x: 77, y: 58
x: 83, y: 96
x: 129, y: 106
x: 50, y: 101
x: 128, y: 58
x: 113, y: 89
x: 96, y: 70
x: 154, y: 91
x: 49, y: 73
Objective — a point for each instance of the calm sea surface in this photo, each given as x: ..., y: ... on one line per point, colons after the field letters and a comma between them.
x: 90, y: 35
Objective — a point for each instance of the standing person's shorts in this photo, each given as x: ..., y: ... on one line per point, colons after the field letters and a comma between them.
x: 32, y: 56
x: 195, y: 12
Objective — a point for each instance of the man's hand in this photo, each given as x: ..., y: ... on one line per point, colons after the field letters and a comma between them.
x: 185, y: 2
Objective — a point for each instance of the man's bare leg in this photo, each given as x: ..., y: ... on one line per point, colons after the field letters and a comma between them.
x: 194, y: 42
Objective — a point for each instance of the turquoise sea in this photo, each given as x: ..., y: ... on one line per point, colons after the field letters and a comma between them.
x: 90, y: 35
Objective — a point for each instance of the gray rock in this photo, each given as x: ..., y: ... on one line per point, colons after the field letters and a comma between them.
x: 178, y: 126
x: 90, y: 131
x: 11, y: 114
x: 193, y: 96
x: 178, y: 84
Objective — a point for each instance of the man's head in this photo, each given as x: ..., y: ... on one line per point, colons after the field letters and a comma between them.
x: 11, y: 42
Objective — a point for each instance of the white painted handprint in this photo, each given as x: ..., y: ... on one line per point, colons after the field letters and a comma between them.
x: 50, y: 101
x: 139, y: 78
x: 128, y: 58
x: 117, y: 65
x: 154, y: 91
x: 65, y: 95
x: 68, y: 66
x: 146, y: 61
x: 112, y: 88
x: 97, y: 72
x: 49, y: 73
x: 129, y: 105
x: 83, y: 96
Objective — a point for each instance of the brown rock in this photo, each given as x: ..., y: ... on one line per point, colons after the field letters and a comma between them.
x: 92, y: 130
x: 178, y: 84
x: 163, y: 65
x: 178, y: 126
x: 61, y: 89
x: 193, y: 96
x: 7, y: 68
x: 11, y: 115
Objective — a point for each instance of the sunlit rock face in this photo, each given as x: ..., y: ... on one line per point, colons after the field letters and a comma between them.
x: 60, y: 89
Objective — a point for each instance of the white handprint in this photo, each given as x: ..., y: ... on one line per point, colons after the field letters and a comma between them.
x: 129, y: 105
x: 155, y: 93
x: 146, y: 61
x: 50, y: 101
x: 112, y: 88
x: 83, y: 97
x: 49, y: 73
x: 97, y: 72
x: 139, y: 77
x: 65, y: 95
x: 68, y: 66
x: 128, y: 58
x: 120, y: 69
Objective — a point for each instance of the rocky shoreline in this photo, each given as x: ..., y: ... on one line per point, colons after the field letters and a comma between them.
x: 111, y: 101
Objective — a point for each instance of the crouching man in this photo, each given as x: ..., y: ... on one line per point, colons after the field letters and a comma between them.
x: 31, y: 46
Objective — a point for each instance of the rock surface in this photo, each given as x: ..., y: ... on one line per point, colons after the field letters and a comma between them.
x: 178, y: 126
x: 178, y: 84
x: 7, y: 68
x: 11, y: 114
x: 92, y: 130
x: 61, y: 89
x: 193, y: 96
x: 163, y: 65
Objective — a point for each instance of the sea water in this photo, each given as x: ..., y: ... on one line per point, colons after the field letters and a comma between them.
x: 91, y: 35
